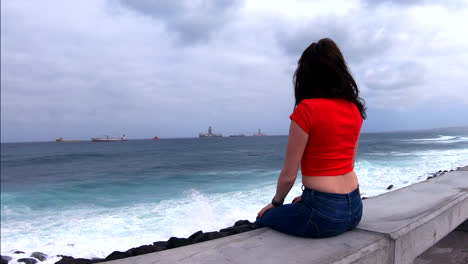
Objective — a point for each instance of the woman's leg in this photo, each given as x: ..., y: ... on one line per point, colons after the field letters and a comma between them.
x: 289, y: 218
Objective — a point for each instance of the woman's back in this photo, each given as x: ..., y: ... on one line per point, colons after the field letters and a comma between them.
x: 333, y: 126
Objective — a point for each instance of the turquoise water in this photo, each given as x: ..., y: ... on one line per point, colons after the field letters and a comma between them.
x: 88, y: 199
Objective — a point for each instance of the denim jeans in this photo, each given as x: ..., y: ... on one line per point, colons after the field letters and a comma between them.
x: 317, y: 215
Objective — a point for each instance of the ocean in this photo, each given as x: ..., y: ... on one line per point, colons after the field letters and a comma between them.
x: 88, y: 199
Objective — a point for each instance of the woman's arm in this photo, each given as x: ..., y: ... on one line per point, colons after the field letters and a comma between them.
x: 297, y: 142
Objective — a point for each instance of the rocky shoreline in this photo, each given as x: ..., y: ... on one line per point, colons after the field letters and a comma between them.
x: 173, y: 242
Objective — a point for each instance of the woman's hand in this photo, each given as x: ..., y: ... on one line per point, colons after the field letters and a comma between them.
x: 265, y: 209
x: 297, y: 199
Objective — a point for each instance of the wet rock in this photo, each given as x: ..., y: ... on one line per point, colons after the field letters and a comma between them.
x: 209, y: 236
x: 141, y: 250
x: 39, y: 255
x: 195, y: 235
x: 117, y: 255
x: 71, y: 260
x: 160, y: 244
x: 5, y: 259
x: 390, y: 187
x: 174, y: 242
x: 27, y: 260
x: 238, y: 229
x: 242, y: 222
x: 18, y: 252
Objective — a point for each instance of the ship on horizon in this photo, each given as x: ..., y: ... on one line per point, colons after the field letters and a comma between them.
x: 109, y: 139
x: 259, y: 133
x: 209, y: 134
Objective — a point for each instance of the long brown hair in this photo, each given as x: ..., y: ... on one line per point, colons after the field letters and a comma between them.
x: 322, y: 73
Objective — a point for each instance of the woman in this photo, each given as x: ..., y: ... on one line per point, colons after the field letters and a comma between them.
x: 323, y: 139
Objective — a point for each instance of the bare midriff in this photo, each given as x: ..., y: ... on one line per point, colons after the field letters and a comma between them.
x: 342, y: 184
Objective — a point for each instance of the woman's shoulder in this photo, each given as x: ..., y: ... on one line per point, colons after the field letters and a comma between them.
x: 323, y: 101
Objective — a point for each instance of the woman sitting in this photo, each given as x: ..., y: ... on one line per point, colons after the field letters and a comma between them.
x: 323, y: 139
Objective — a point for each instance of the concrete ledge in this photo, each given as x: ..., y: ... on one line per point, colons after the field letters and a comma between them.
x: 396, y: 228
x: 418, y: 216
x: 268, y: 246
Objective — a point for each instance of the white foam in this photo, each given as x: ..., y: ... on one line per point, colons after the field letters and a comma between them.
x: 96, y: 232
x: 375, y: 177
x: 439, y: 138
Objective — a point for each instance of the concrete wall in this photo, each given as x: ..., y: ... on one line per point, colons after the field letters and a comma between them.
x: 396, y: 228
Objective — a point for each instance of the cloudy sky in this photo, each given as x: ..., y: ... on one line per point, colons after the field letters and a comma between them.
x: 79, y: 69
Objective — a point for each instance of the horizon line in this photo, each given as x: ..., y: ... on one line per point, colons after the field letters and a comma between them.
x: 372, y: 132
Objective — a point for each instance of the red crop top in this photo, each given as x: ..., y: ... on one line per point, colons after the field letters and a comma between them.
x: 333, y: 126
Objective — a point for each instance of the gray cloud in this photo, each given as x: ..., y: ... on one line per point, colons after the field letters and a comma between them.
x: 358, y: 41
x: 447, y: 3
x: 93, y: 67
x: 191, y: 21
x: 395, y: 77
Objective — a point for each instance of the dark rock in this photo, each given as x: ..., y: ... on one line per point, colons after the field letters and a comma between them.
x: 5, y: 259
x: 209, y: 236
x: 18, y: 252
x: 229, y: 231
x: 117, y: 255
x: 194, y: 235
x: 363, y: 198
x: 71, y: 260
x: 390, y: 187
x: 243, y: 222
x: 39, y: 255
x: 159, y: 248
x: 174, y: 242
x: 145, y: 249
x: 161, y: 244
x: 238, y: 229
x: 97, y: 260
x: 27, y: 260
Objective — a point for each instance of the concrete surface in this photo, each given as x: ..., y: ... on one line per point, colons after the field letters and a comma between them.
x: 418, y: 216
x: 452, y: 249
x: 396, y: 227
x: 268, y: 246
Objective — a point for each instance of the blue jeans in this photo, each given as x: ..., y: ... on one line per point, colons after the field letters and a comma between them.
x: 317, y: 215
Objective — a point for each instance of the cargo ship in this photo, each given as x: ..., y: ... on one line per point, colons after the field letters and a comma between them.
x: 259, y: 133
x: 108, y: 139
x: 209, y: 134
